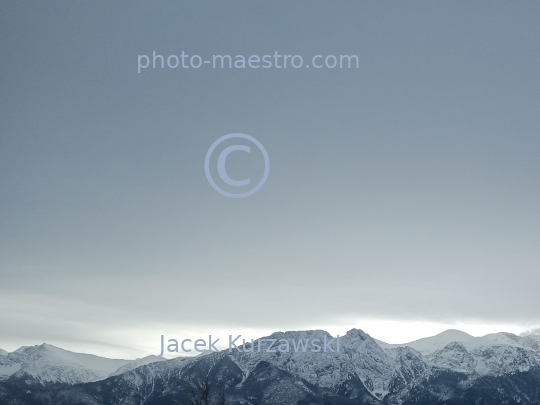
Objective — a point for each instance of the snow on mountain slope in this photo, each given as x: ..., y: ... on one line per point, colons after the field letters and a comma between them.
x: 360, y: 365
x: 494, y: 360
x: 137, y: 363
x: 319, y: 368
x: 47, y: 363
x: 493, y: 354
x: 8, y: 367
x: 141, y: 381
x: 361, y: 368
x: 359, y: 357
x: 364, y: 366
x: 532, y: 341
x: 409, y: 367
x: 498, y: 360
x: 431, y: 344
x: 454, y: 356
x: 505, y: 338
x: 380, y: 371
x: 371, y: 363
x: 3, y: 353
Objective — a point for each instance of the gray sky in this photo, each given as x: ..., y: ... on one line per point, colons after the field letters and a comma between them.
x: 402, y: 191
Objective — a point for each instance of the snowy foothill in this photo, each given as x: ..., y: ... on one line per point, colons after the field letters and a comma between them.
x: 47, y: 363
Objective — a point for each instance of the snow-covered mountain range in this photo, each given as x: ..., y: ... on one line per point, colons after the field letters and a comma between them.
x: 452, y: 367
x: 49, y: 364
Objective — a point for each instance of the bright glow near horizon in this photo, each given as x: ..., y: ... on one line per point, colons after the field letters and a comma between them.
x: 131, y: 344
x: 397, y: 331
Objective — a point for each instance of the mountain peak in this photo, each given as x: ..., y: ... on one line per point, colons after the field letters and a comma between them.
x: 443, y: 338
x: 357, y: 332
x: 455, y: 334
x: 48, y: 363
x: 431, y: 344
x: 48, y: 347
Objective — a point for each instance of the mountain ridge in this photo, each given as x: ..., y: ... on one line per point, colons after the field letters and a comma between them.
x: 364, y: 371
x: 50, y: 364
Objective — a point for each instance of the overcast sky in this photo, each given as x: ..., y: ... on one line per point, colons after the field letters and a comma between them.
x: 403, y: 196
